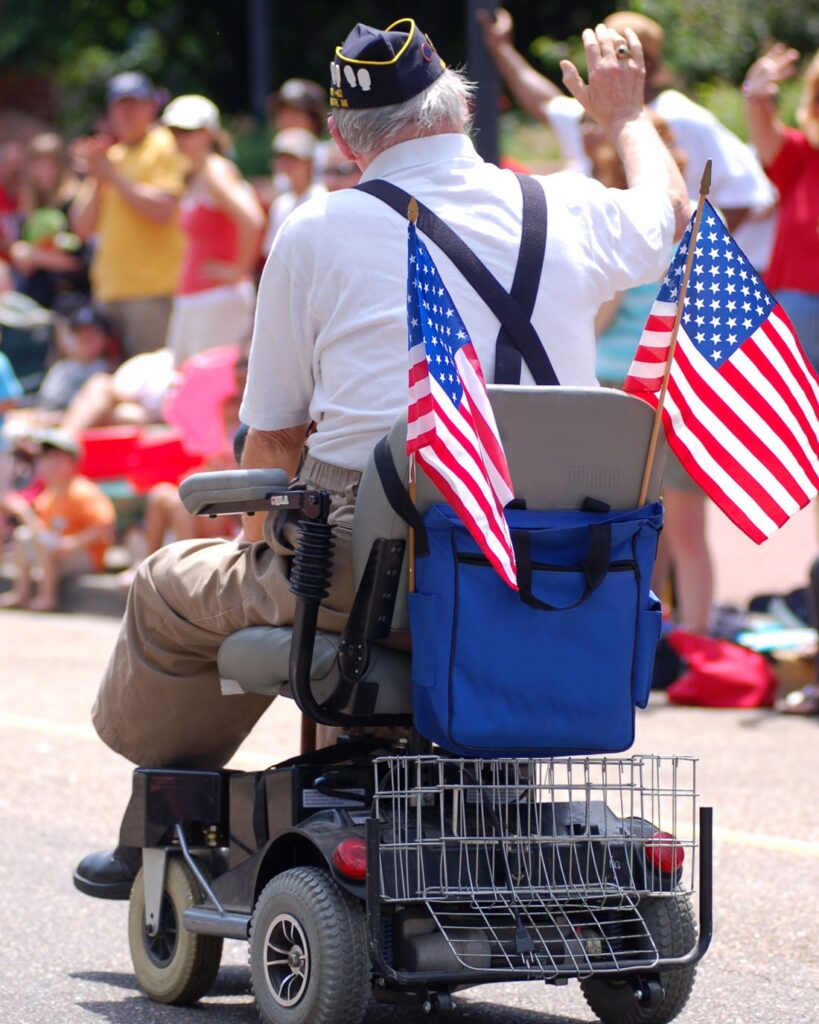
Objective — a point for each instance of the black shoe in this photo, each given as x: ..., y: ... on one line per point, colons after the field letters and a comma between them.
x: 108, y: 874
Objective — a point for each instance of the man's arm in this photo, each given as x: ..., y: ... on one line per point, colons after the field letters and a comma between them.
x: 271, y: 449
x: 90, y: 154
x: 531, y: 90
x: 614, y: 97
x: 84, y: 210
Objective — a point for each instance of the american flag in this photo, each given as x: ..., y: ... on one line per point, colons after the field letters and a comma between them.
x: 742, y: 406
x: 451, y: 428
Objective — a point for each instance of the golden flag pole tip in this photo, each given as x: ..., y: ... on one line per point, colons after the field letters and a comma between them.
x: 412, y: 210
x: 705, y: 182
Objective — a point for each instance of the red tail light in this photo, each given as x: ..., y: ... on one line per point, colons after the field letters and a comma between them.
x: 665, y: 852
x: 350, y: 858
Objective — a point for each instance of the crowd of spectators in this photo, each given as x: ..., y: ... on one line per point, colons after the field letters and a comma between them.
x: 144, y: 242
x: 140, y: 247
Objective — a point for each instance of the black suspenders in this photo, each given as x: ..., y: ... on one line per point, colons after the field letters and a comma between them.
x: 517, y: 337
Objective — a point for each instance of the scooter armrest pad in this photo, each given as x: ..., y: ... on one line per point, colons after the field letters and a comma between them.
x: 232, y: 491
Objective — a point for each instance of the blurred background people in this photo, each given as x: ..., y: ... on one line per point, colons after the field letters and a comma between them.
x: 790, y: 157
x: 65, y: 530
x: 87, y: 347
x: 11, y: 392
x: 208, y: 388
x: 49, y: 260
x: 133, y: 394
x: 129, y: 205
x: 222, y: 222
x: 12, y: 158
x: 294, y: 151
x: 299, y: 103
x: 739, y: 188
x: 337, y: 171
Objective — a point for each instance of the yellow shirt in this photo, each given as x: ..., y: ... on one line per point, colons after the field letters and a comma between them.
x: 136, y: 257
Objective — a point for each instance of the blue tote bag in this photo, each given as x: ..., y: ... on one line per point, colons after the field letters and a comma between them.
x: 557, y: 668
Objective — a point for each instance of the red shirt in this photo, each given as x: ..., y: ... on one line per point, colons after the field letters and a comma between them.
x: 210, y: 234
x: 795, y: 258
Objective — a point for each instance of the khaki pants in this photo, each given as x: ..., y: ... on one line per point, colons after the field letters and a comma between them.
x: 142, y: 324
x: 160, y: 701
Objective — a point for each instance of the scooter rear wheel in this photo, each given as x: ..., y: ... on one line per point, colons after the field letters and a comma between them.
x: 308, y: 951
x: 670, y: 922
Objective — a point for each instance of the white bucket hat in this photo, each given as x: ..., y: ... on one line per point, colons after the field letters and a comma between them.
x: 191, y: 113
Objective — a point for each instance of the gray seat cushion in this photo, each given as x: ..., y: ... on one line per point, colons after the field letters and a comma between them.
x: 256, y: 660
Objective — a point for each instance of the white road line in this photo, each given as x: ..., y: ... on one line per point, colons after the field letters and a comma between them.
x: 252, y: 760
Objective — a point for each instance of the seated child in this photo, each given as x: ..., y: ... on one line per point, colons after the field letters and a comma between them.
x: 64, y: 531
x: 11, y: 392
x: 85, y: 349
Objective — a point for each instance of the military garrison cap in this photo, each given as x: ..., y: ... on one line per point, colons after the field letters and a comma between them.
x: 374, y: 68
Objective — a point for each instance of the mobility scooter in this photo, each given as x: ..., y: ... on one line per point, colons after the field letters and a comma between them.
x: 385, y: 866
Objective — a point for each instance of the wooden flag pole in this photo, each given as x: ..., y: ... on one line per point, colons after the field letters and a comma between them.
x: 705, y: 187
x: 412, y: 215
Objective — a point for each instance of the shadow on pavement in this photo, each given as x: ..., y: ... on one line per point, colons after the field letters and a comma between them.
x: 234, y: 982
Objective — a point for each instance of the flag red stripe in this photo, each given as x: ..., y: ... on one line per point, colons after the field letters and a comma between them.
x: 727, y: 462
x: 420, y: 407
x: 486, y: 432
x: 746, y: 391
x: 451, y: 495
x: 659, y: 323
x: 799, y: 367
x: 736, y: 426
x: 793, y: 442
x: 643, y: 387
x: 418, y: 372
x: 800, y: 371
x: 445, y: 455
x: 709, y: 484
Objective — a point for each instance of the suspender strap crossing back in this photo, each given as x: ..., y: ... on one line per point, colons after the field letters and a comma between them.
x: 517, y: 337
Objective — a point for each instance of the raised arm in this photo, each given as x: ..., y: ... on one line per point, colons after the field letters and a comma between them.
x: 614, y: 97
x: 531, y: 90
x: 760, y: 89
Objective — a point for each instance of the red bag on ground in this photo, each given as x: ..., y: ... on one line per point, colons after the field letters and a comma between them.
x: 720, y: 674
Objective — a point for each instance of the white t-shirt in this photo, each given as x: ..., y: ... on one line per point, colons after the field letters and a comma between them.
x: 737, y: 178
x: 330, y: 338
x: 282, y: 206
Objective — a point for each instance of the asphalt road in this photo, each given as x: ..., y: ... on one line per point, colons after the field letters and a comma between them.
x: 64, y: 957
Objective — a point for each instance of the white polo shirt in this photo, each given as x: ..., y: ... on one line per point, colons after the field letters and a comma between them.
x: 330, y: 338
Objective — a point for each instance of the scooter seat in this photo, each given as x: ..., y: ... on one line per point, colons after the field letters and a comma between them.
x: 256, y: 660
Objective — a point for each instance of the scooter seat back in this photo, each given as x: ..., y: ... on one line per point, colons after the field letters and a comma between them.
x: 562, y: 444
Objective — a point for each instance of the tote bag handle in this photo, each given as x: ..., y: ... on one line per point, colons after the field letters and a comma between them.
x: 595, y: 568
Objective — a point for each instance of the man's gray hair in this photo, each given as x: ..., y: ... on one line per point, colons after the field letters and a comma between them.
x: 445, y: 106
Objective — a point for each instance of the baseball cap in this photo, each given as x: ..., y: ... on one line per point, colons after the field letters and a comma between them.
x: 295, y: 142
x: 375, y: 68
x: 58, y: 440
x: 88, y: 316
x: 302, y: 94
x: 129, y: 85
x: 190, y: 113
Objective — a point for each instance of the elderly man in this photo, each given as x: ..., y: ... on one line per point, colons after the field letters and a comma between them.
x: 330, y: 348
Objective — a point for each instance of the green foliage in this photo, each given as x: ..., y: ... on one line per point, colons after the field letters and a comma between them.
x: 202, y: 46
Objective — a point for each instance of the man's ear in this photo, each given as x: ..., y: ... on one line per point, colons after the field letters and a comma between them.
x: 346, y: 152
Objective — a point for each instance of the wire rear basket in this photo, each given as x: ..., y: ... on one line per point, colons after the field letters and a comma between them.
x: 543, y: 867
